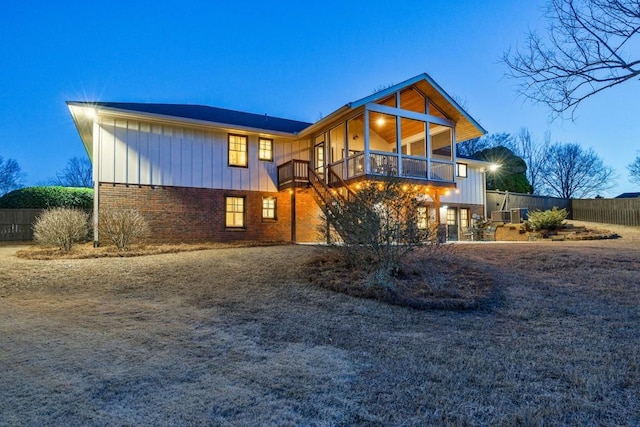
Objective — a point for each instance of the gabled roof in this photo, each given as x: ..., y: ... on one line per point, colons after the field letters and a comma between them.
x: 466, y: 127
x: 203, y: 113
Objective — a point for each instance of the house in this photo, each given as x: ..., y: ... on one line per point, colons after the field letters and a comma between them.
x: 201, y: 173
x: 628, y: 196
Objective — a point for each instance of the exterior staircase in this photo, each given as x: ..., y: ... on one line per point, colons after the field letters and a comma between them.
x: 334, y: 201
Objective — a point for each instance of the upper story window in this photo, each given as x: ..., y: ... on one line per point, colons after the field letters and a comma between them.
x: 265, y: 149
x: 461, y: 170
x: 238, y: 150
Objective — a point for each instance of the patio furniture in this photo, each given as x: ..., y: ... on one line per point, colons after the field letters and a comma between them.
x: 489, y: 233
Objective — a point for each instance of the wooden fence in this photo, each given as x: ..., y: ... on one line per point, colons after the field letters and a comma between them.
x: 17, y: 224
x: 608, y: 211
x: 495, y: 201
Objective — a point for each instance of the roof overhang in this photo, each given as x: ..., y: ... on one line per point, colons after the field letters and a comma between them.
x: 84, y: 114
x: 466, y: 126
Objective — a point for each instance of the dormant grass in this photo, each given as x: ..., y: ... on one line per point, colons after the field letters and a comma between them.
x: 240, y: 336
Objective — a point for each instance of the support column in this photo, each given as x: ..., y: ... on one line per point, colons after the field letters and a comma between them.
x: 293, y: 214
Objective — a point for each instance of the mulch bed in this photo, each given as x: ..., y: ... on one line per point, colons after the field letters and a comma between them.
x: 424, y: 282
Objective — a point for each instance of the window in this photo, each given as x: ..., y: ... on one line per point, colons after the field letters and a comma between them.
x: 422, y: 217
x: 464, y: 217
x: 234, y: 212
x: 461, y: 170
x: 269, y: 208
x: 237, y: 150
x: 451, y: 216
x: 265, y: 150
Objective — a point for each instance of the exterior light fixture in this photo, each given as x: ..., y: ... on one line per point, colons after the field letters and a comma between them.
x: 380, y: 121
x: 90, y: 113
x: 494, y: 167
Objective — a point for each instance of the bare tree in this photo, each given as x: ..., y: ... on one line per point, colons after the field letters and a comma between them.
x: 473, y: 146
x: 77, y: 173
x: 572, y: 172
x: 11, y: 175
x: 534, y: 155
x: 634, y: 171
x: 587, y: 49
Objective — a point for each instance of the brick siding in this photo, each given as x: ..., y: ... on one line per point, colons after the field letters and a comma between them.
x: 180, y: 214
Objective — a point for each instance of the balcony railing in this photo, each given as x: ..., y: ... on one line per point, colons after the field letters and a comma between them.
x: 386, y: 164
x: 294, y: 173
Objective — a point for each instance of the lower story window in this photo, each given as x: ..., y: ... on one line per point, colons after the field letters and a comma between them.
x: 422, y: 217
x: 269, y: 208
x: 464, y: 217
x: 234, y: 212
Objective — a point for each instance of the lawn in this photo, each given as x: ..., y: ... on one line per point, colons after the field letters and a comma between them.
x: 241, y: 336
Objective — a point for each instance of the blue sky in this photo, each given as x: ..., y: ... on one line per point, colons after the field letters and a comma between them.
x: 296, y: 60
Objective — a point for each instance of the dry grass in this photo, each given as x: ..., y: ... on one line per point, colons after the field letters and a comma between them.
x: 86, y: 250
x: 239, y: 336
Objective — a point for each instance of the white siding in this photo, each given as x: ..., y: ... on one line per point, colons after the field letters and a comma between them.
x: 139, y: 153
x: 470, y: 189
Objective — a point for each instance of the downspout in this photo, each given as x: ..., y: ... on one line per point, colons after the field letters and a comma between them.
x: 96, y: 179
x: 484, y: 192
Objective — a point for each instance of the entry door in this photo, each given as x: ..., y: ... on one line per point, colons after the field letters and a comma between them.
x: 318, y: 159
x: 452, y: 224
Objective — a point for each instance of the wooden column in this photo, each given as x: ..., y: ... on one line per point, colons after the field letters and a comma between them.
x: 293, y: 213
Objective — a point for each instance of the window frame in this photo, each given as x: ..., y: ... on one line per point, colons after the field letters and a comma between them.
x: 246, y: 151
x: 274, y: 208
x: 243, y: 212
x: 466, y: 170
x: 465, y: 219
x: 260, y: 151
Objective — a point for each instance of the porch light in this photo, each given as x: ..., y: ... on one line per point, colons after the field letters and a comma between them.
x: 457, y: 191
x: 494, y: 167
x: 90, y: 113
x: 380, y: 121
x: 446, y: 193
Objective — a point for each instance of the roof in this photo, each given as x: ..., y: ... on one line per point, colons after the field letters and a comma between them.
x: 466, y: 126
x: 628, y: 196
x: 204, y: 113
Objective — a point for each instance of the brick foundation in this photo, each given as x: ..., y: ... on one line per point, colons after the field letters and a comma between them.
x: 179, y: 214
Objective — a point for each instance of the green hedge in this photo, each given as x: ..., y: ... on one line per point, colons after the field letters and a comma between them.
x: 48, y: 197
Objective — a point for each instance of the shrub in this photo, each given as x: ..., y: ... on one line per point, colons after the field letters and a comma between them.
x: 122, y: 226
x: 61, y: 227
x: 547, y: 220
x: 48, y: 197
x: 378, y: 227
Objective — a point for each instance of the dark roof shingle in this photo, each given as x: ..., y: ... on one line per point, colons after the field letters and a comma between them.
x: 209, y: 114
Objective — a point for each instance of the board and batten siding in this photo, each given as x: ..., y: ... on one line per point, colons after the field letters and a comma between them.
x: 470, y: 189
x: 139, y: 153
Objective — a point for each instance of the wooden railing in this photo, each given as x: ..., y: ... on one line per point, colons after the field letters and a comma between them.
x: 294, y: 173
x: 386, y: 164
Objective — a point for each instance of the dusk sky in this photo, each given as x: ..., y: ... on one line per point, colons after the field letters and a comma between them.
x: 297, y: 60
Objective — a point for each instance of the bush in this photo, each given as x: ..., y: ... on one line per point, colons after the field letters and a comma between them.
x: 378, y: 227
x: 122, y: 226
x: 547, y: 220
x: 48, y: 197
x: 61, y: 227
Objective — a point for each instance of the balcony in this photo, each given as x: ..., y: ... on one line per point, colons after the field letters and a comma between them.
x: 294, y: 173
x: 419, y: 169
